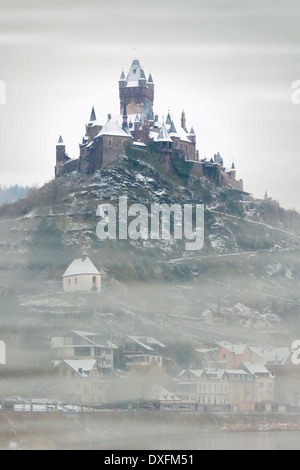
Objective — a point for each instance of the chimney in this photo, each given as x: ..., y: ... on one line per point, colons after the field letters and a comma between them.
x: 109, y: 117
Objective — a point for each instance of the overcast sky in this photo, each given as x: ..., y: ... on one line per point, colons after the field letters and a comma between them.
x: 229, y: 64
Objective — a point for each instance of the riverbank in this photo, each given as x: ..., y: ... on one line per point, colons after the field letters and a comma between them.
x: 142, y: 430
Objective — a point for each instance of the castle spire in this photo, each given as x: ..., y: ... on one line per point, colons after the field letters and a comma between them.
x: 173, y: 128
x: 169, y: 120
x: 60, y: 141
x: 183, y: 120
x: 93, y: 115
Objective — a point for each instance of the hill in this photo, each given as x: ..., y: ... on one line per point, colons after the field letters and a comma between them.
x: 243, y: 284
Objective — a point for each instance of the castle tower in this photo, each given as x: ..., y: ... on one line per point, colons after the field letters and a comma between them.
x: 60, y: 156
x: 135, y: 90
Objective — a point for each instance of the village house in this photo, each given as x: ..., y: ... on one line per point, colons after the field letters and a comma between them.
x: 241, y: 390
x: 264, y: 384
x: 85, y: 345
x: 206, y: 388
x: 213, y: 389
x: 167, y: 400
x: 81, y: 381
x: 287, y: 376
x: 82, y: 276
x: 142, y: 351
x: 230, y: 356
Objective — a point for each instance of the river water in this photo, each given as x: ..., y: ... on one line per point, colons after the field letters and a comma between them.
x: 238, y: 441
x: 275, y: 440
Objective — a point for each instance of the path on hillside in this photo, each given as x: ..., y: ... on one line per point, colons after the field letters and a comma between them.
x: 269, y: 227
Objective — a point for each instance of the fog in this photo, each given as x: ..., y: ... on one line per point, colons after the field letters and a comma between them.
x: 153, y: 345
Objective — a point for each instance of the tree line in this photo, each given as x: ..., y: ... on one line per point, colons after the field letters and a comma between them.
x: 12, y: 193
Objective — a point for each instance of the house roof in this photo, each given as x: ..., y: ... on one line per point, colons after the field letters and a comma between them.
x: 145, y: 342
x: 237, y: 349
x: 161, y: 394
x: 80, y: 267
x: 214, y: 374
x: 255, y: 368
x: 272, y: 356
x: 80, y: 366
x: 196, y: 373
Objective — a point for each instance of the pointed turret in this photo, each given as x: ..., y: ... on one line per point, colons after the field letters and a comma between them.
x: 163, y: 135
x: 93, y: 115
x: 122, y: 76
x: 150, y: 79
x: 60, y: 141
x: 172, y: 128
x: 192, y: 135
x: 169, y: 119
x: 183, y: 120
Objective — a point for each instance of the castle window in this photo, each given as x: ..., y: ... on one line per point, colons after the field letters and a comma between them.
x: 110, y: 142
x: 94, y: 280
x: 134, y: 70
x: 123, y: 143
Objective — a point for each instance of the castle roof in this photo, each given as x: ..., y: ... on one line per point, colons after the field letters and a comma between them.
x: 93, y: 115
x: 135, y: 74
x: 180, y: 133
x: 112, y: 128
x: 163, y: 135
x: 169, y: 120
x: 60, y: 141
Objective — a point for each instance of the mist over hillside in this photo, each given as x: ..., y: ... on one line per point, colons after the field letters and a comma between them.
x: 12, y: 193
x: 244, y: 279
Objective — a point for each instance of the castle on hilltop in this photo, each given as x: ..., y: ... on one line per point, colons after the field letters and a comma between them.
x: 138, y: 125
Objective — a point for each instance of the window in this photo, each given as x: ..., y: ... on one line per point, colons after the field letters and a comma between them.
x: 110, y: 142
x: 76, y: 281
x: 94, y: 280
x: 69, y: 282
x: 82, y: 351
